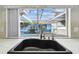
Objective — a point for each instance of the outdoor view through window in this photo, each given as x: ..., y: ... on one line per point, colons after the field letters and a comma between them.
x: 52, y: 20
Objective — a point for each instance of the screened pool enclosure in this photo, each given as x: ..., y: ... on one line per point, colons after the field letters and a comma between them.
x: 50, y: 20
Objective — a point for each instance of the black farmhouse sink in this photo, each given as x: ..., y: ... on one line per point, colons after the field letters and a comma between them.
x: 37, y: 46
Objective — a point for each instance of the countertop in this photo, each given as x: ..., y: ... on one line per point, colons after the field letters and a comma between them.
x: 71, y: 44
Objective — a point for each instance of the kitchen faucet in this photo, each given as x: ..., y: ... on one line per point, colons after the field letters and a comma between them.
x: 42, y: 35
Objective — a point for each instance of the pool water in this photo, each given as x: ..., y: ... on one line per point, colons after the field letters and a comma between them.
x: 29, y: 35
x: 29, y: 32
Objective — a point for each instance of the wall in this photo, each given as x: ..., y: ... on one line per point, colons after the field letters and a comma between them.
x: 75, y: 22
x: 2, y: 22
x: 12, y: 23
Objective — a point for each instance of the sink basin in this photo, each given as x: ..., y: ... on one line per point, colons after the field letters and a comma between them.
x: 38, y: 46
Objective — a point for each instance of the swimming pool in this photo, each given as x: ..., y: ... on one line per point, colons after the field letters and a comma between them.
x: 29, y: 32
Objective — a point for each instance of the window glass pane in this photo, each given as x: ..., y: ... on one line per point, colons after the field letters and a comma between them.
x: 32, y: 19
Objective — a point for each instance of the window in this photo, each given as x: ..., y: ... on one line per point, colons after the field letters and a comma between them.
x: 32, y: 19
